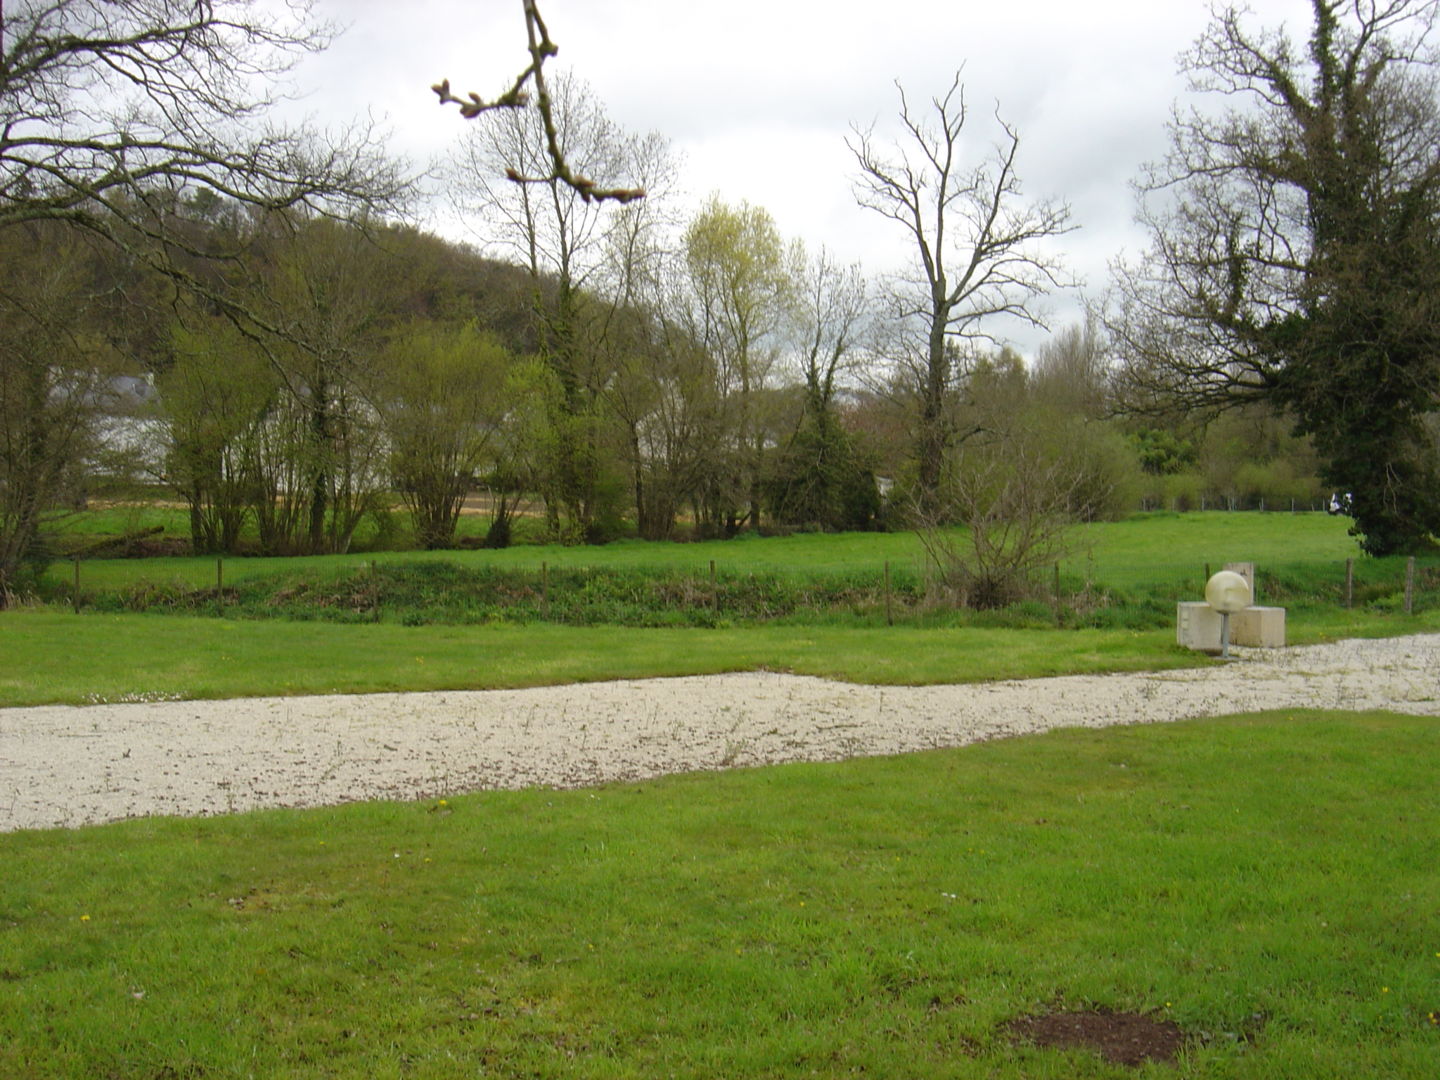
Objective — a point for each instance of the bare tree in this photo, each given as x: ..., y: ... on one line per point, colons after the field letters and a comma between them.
x: 833, y: 308
x: 819, y: 477
x: 977, y: 246
x: 584, y: 262
x: 111, y: 111
x: 1015, y: 500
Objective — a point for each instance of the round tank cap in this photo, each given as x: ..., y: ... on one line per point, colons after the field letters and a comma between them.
x: 1227, y: 592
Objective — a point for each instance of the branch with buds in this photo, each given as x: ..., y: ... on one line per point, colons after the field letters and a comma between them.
x: 472, y: 105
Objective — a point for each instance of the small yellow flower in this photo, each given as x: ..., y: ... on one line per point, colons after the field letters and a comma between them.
x: 84, y: 918
x: 444, y: 802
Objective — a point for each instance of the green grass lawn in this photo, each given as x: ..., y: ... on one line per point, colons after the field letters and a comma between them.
x: 50, y: 657
x: 1267, y: 882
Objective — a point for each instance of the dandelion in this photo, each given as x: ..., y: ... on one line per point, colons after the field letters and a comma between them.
x: 84, y: 918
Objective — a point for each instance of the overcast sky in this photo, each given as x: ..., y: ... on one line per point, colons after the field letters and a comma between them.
x: 759, y: 95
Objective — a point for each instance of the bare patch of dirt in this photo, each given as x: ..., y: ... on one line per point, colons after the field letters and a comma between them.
x: 1121, y: 1038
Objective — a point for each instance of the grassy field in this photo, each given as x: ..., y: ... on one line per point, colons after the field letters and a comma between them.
x: 61, y: 658
x: 1150, y: 560
x: 1268, y: 883
x: 1144, y: 547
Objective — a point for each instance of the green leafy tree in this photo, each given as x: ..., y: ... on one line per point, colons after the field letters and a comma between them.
x: 1296, y: 252
x: 215, y: 396
x: 439, y: 398
x: 742, y: 278
x: 56, y: 371
x: 334, y: 291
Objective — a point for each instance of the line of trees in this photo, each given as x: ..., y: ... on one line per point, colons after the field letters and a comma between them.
x: 627, y: 368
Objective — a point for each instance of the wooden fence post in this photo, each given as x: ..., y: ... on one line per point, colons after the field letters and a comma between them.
x: 889, y: 609
x: 545, y: 589
x: 714, y: 589
x: 1349, y: 583
x: 1059, y: 617
x: 1410, y: 585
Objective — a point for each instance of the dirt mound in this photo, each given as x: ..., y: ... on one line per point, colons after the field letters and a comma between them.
x: 1121, y: 1038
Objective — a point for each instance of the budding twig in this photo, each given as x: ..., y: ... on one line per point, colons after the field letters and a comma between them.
x: 472, y: 105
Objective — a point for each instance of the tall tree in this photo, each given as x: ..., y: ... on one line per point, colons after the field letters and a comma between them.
x: 568, y: 241
x: 820, y: 478
x: 55, y: 372
x: 977, y: 249
x: 743, y: 279
x: 1295, y: 254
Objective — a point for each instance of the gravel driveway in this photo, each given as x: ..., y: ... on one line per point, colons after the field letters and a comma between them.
x: 66, y: 766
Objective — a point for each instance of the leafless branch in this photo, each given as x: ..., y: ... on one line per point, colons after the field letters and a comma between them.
x: 542, y: 48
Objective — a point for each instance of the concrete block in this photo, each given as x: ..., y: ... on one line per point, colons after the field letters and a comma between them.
x: 1197, y: 626
x: 1258, y: 627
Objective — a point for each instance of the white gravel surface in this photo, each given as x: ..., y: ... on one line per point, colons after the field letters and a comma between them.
x: 66, y: 766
